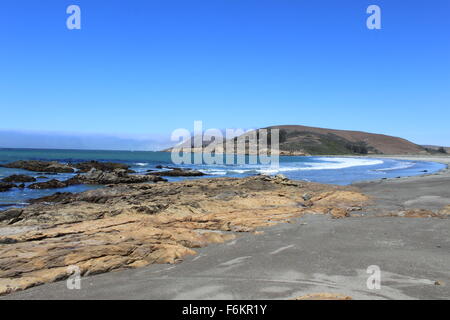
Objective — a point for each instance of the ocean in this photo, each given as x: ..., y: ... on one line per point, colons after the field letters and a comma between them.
x: 333, y: 170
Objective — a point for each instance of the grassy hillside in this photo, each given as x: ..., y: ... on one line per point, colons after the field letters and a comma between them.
x: 320, y: 141
x: 321, y: 144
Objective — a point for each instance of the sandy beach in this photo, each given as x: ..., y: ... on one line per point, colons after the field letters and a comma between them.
x: 428, y: 192
x: 403, y: 230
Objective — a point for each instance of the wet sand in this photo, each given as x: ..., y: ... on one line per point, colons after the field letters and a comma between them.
x: 428, y: 191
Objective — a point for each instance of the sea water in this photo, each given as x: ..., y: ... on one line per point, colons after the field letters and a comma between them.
x: 333, y: 170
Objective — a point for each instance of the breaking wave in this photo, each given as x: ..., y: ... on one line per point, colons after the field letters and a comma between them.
x: 400, y: 166
x: 324, y: 164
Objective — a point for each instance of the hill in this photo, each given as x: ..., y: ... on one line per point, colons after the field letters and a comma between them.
x: 303, y: 140
x: 312, y: 140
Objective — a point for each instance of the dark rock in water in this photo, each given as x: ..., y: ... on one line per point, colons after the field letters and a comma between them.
x: 42, y: 177
x: 73, y: 181
x: 63, y: 197
x: 177, y: 172
x: 51, y: 184
x: 21, y: 186
x: 39, y: 166
x: 103, y: 166
x: 11, y: 214
x: 95, y: 176
x: 5, y: 186
x: 19, y: 178
x: 159, y: 166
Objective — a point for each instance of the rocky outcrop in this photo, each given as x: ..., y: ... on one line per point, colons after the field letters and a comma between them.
x: 19, y: 178
x: 95, y: 176
x: 40, y: 166
x: 445, y: 211
x: 10, y: 216
x: 51, y: 184
x: 418, y: 213
x: 5, y: 186
x: 56, y: 197
x: 95, y: 247
x: 177, y: 172
x: 133, y: 225
x: 102, y: 166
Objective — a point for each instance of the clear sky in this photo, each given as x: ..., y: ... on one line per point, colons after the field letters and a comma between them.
x: 149, y: 67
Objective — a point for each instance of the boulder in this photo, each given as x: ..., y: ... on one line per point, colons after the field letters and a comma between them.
x: 56, y: 197
x: 5, y: 186
x: 177, y: 172
x: 95, y: 176
x: 19, y: 178
x: 73, y: 181
x: 10, y: 214
x: 39, y: 166
x: 103, y: 166
x: 51, y: 184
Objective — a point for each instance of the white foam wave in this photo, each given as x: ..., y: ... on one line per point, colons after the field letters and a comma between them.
x: 400, y: 166
x: 278, y: 170
x: 215, y: 172
x: 240, y: 171
x: 141, y: 164
x: 341, y: 163
x: 324, y: 164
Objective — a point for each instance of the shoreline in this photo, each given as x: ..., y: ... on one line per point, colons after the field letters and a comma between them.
x: 130, y: 217
x: 445, y: 160
x: 423, y: 192
x: 423, y: 158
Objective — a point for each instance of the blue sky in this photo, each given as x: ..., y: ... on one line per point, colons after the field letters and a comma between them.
x: 148, y: 67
